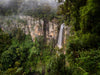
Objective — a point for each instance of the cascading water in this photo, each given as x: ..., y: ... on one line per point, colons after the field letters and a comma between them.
x: 59, y: 44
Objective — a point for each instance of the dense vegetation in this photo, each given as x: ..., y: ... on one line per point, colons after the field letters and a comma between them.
x: 83, y: 47
x: 19, y: 55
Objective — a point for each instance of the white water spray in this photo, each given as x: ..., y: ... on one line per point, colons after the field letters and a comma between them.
x: 59, y: 44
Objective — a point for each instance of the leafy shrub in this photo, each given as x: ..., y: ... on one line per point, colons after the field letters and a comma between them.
x: 7, y: 59
x: 57, y: 66
x: 5, y: 42
x: 90, y: 41
x: 89, y: 60
x: 18, y: 34
x: 83, y: 42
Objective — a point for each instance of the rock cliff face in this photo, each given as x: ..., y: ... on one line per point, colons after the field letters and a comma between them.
x: 28, y: 25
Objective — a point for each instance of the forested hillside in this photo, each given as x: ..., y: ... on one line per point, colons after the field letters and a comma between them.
x: 83, y: 46
x: 49, y: 37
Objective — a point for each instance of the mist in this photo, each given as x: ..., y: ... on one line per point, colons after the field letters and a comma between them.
x: 7, y: 3
x: 21, y: 6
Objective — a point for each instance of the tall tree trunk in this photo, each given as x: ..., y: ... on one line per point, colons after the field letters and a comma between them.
x: 40, y: 22
x: 28, y: 23
x: 47, y: 27
x: 58, y: 28
x: 44, y: 29
x: 40, y: 28
x: 52, y: 25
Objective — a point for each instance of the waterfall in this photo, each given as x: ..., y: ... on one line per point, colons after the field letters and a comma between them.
x: 59, y: 44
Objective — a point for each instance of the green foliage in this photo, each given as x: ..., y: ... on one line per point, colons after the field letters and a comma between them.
x: 57, y: 66
x: 18, y: 34
x: 89, y: 16
x: 5, y: 42
x: 19, y: 55
x: 16, y: 53
x: 17, y: 64
x: 83, y: 42
x: 85, y: 58
x: 83, y: 46
x: 11, y: 71
x: 7, y: 59
x: 19, y: 71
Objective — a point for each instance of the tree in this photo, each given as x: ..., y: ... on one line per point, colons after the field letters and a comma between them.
x: 84, y: 17
x: 5, y: 41
x: 43, y: 12
x: 7, y: 59
x: 71, y: 13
